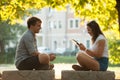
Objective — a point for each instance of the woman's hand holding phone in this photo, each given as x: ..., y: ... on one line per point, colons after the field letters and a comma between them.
x: 80, y: 45
x: 74, y: 41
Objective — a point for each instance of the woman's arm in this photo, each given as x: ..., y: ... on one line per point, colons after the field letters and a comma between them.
x: 98, y: 52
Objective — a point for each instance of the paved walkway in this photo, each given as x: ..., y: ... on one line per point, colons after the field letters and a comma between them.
x: 58, y: 68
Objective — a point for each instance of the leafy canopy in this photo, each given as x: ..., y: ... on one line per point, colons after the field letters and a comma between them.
x: 101, y: 10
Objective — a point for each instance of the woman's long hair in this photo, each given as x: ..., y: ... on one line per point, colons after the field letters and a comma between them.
x: 95, y: 30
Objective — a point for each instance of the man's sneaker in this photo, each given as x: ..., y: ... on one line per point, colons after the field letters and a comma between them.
x: 51, y: 66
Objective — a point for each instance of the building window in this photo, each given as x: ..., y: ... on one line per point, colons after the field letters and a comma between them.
x: 54, y: 24
x: 76, y: 23
x: 88, y: 43
x: 50, y: 9
x: 59, y: 24
x: 70, y: 45
x: 49, y: 25
x: 71, y: 23
x: 55, y: 44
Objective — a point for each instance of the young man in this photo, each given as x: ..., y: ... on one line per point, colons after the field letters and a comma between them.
x: 27, y: 56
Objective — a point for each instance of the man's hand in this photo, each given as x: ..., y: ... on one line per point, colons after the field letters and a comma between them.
x: 52, y: 56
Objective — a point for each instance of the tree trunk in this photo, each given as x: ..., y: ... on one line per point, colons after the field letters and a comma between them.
x: 2, y: 48
x: 118, y: 9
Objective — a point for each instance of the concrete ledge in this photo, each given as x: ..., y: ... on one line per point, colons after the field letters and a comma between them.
x: 29, y: 75
x: 87, y: 75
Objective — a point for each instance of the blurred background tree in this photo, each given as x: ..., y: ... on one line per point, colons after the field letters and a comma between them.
x: 9, y: 35
x: 105, y: 12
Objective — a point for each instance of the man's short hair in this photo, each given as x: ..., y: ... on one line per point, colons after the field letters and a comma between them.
x: 32, y: 21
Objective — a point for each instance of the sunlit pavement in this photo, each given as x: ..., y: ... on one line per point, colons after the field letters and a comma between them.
x: 57, y: 67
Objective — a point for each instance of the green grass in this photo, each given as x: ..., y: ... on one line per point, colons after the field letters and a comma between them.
x: 72, y: 59
x: 65, y: 59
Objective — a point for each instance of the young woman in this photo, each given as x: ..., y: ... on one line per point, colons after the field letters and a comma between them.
x: 95, y: 58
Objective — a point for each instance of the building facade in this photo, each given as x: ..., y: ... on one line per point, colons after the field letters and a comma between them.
x: 59, y: 28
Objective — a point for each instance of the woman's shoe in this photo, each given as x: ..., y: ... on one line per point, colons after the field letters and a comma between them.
x: 77, y: 67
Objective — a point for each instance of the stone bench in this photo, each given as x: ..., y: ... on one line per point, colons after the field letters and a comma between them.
x: 87, y: 75
x: 29, y: 75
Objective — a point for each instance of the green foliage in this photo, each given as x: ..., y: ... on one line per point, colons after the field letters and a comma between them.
x: 9, y: 34
x: 5, y: 35
x: 113, y: 44
x: 8, y: 57
x: 101, y: 10
x: 114, y: 50
x: 15, y: 10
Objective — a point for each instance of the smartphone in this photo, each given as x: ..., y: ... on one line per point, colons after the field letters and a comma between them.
x: 74, y: 41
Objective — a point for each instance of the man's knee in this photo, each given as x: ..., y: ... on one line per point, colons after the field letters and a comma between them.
x: 44, y: 58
